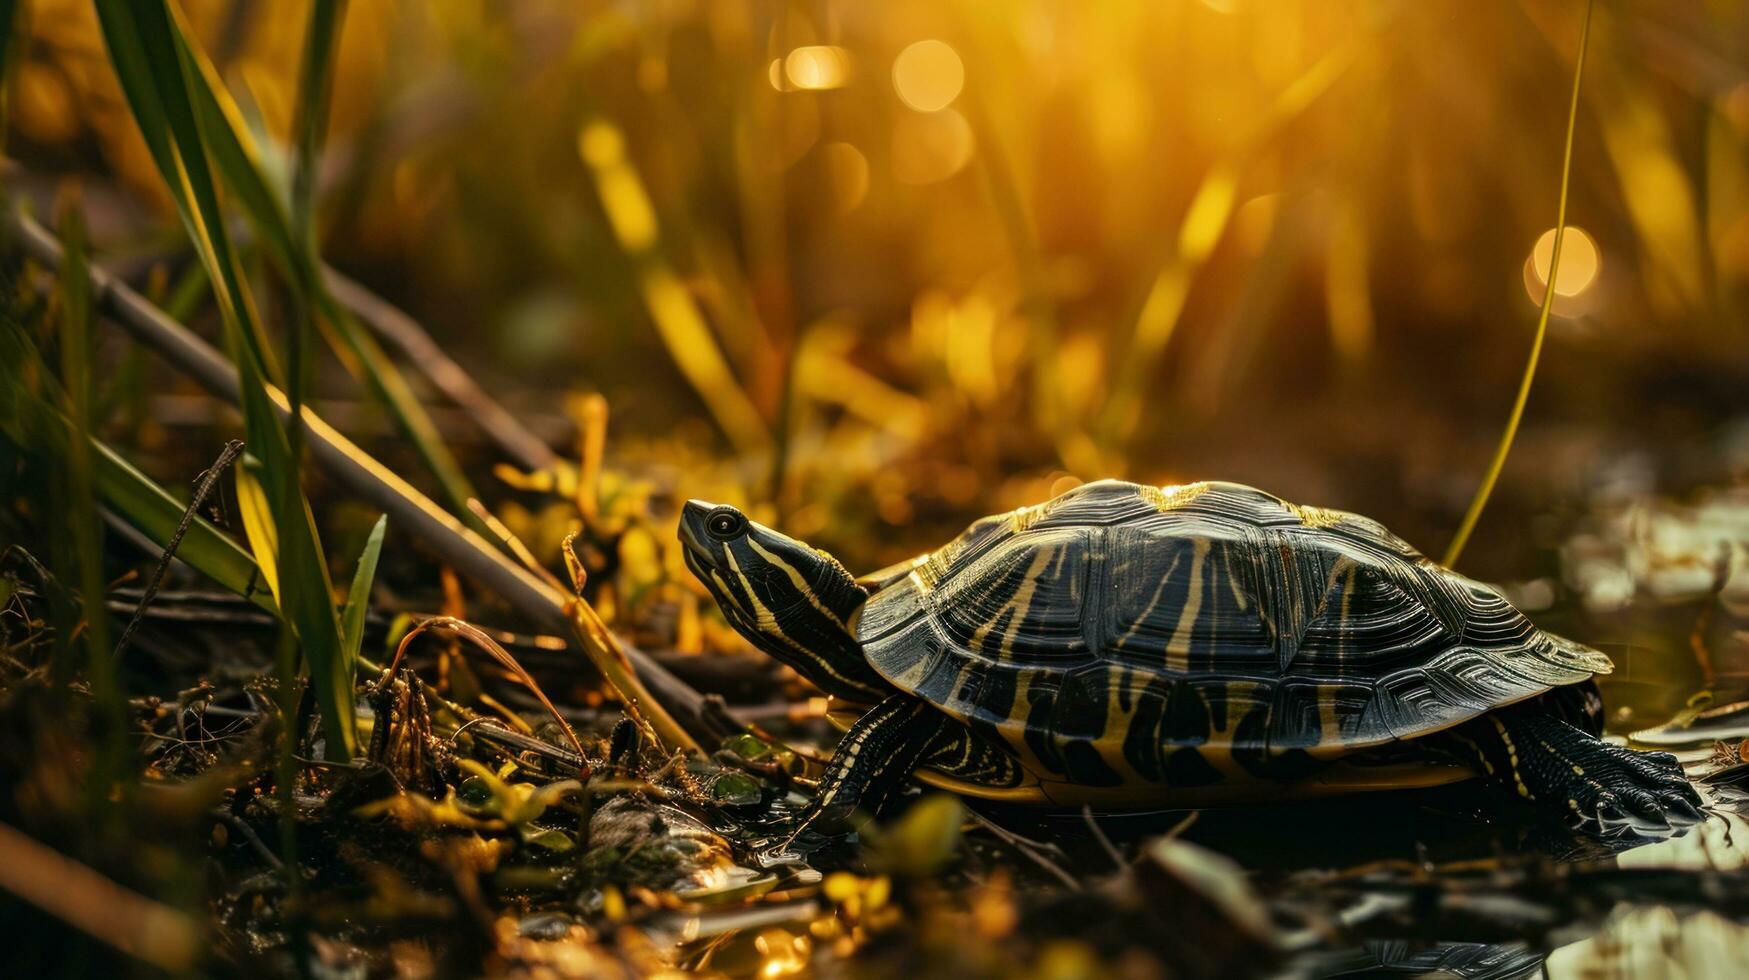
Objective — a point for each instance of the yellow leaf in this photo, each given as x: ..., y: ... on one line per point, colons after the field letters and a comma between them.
x: 258, y: 524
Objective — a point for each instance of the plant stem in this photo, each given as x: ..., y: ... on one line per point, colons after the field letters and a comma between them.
x: 1480, y: 501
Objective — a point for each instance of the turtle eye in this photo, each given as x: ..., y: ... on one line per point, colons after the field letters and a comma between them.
x: 725, y: 523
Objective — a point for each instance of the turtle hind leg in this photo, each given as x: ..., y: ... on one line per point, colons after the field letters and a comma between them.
x: 1599, y: 788
x: 965, y: 755
x: 873, y: 758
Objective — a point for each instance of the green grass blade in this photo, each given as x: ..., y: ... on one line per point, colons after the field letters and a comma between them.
x: 290, y: 242
x: 150, y: 509
x: 33, y: 425
x: 310, y: 121
x: 259, y: 527
x: 679, y: 323
x: 358, y: 596
x: 156, y: 514
x: 190, y: 290
x: 356, y: 471
x: 1480, y: 500
x: 139, y: 39
x: 161, y: 79
x: 82, y: 548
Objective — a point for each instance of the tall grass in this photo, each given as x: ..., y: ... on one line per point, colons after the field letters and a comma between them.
x: 1504, y: 449
x: 44, y: 420
x: 290, y: 239
x: 36, y: 423
x: 163, y: 81
x: 679, y: 322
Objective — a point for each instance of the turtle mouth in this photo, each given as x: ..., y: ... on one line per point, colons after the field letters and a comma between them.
x: 703, y: 556
x: 692, y: 528
x: 699, y: 560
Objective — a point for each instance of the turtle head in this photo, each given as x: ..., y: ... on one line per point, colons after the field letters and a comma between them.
x: 795, y: 603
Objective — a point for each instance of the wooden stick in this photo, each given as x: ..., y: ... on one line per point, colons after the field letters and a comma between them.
x: 406, y: 335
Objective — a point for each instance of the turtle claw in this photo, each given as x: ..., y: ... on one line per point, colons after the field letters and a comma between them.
x: 1628, y: 792
x: 1643, y: 804
x: 1607, y: 814
x: 1606, y: 790
x: 1684, y: 802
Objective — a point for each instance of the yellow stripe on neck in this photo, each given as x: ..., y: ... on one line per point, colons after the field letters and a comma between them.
x: 800, y: 583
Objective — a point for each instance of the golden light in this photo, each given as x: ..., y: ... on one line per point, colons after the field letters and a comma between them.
x: 928, y: 75
x: 785, y: 954
x: 628, y: 207
x: 847, y: 174
x: 1065, y: 483
x: 600, y: 145
x: 816, y: 67
x: 1206, y: 220
x: 929, y: 148
x: 1579, y: 262
x: 1118, y: 111
x: 1254, y: 221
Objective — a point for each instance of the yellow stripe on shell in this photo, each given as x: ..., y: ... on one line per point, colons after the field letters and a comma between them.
x: 1315, y: 517
x: 1159, y: 591
x: 1178, y: 648
x: 1171, y: 498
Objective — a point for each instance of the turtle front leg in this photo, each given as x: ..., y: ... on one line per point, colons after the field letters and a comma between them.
x: 880, y: 750
x: 1600, y: 788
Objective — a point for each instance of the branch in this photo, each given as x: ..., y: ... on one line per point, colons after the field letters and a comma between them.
x: 406, y: 335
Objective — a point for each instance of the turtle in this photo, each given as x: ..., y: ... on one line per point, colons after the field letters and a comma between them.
x: 1128, y: 645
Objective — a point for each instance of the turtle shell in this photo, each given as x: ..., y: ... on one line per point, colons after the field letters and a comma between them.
x: 1184, y: 635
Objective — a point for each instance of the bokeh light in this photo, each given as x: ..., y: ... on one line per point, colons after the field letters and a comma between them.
x: 817, y: 67
x: 847, y: 174
x: 928, y: 75
x: 1579, y: 262
x: 930, y: 147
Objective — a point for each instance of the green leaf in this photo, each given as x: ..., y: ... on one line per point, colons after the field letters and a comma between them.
x: 358, y: 596
x: 547, y: 839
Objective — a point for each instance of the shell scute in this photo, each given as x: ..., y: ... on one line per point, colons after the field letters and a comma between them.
x: 1311, y: 713
x: 1021, y: 600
